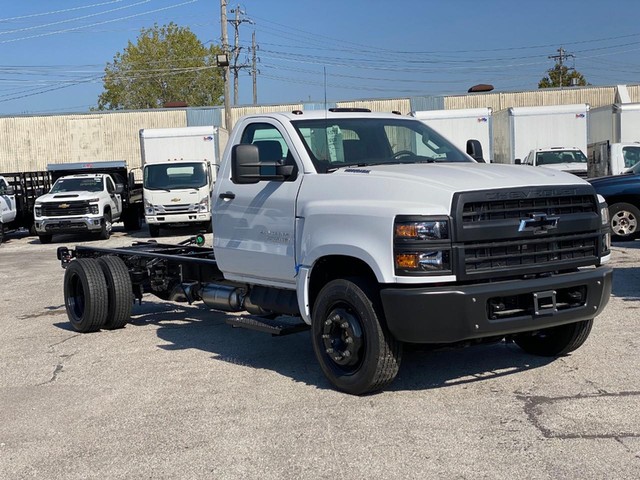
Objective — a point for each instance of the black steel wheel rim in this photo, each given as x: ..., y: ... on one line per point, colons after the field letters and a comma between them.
x: 76, y: 297
x: 343, y: 338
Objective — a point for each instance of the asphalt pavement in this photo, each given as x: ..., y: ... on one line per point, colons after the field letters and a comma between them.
x: 179, y: 394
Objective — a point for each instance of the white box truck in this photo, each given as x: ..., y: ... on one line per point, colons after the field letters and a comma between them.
x: 614, y: 136
x: 179, y: 170
x: 518, y: 130
x: 460, y: 125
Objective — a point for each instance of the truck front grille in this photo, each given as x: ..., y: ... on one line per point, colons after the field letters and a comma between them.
x: 505, y: 255
x: 177, y: 209
x: 518, y: 208
x: 64, y: 209
x: 515, y: 232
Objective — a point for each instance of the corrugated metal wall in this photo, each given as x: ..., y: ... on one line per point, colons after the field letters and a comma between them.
x: 402, y: 105
x: 594, y: 96
x: 237, y: 112
x: 31, y: 142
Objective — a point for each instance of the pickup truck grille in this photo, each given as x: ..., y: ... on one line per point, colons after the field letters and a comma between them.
x: 533, y: 230
x: 518, y: 208
x: 64, y: 209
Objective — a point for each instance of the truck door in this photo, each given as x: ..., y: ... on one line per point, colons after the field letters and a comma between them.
x: 254, y: 225
x: 116, y: 199
x: 7, y: 203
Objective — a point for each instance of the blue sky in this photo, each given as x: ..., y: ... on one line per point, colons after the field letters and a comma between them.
x: 53, y: 53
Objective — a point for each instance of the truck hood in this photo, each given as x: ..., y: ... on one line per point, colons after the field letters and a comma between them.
x: 68, y: 196
x: 388, y: 190
x: 567, y: 167
x: 458, y: 177
x: 616, y: 181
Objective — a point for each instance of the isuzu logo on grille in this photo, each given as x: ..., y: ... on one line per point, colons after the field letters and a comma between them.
x: 538, y: 223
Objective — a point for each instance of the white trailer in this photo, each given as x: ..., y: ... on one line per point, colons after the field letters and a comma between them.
x: 518, y: 130
x: 179, y: 170
x: 614, y: 133
x: 460, y: 125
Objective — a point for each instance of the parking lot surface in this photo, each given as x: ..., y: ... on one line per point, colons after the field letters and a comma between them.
x: 180, y: 394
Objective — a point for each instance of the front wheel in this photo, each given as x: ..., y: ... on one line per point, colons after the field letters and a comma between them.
x: 105, y: 231
x: 154, y: 230
x: 355, y: 350
x: 555, y: 341
x: 1, y: 233
x: 625, y: 220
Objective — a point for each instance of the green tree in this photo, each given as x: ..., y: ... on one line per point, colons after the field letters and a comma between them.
x: 166, y: 64
x: 562, y: 76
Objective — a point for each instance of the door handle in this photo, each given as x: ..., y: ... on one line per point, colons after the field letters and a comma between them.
x: 227, y: 196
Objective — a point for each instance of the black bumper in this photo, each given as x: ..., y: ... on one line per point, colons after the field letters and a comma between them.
x: 455, y: 313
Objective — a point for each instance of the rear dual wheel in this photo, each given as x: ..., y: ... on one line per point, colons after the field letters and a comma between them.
x: 555, y: 341
x: 97, y: 293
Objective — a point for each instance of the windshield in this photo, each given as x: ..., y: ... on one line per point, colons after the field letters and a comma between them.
x: 631, y: 156
x: 335, y: 143
x: 560, y: 156
x: 166, y: 176
x: 86, y: 184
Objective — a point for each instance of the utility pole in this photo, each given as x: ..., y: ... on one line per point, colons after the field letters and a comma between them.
x: 236, y: 49
x: 225, y: 49
x: 254, y: 69
x: 559, y: 59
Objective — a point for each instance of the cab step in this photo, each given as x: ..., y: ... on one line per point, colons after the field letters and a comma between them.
x: 277, y: 327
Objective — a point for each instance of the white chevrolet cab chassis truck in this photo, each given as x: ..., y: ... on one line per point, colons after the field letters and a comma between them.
x: 372, y: 231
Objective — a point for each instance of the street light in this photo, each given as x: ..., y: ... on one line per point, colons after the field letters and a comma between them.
x: 222, y: 60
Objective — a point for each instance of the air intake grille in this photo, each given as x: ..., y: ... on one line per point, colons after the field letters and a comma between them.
x: 64, y: 209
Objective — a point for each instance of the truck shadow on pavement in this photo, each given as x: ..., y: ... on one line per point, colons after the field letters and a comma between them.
x: 189, y: 327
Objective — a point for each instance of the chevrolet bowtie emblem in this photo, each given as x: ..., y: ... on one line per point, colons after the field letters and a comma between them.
x: 538, y: 223
x: 64, y: 205
x: 175, y: 200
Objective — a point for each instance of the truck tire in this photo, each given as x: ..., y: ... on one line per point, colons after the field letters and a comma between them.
x: 355, y: 350
x: 132, y: 220
x: 105, y: 231
x: 45, y: 238
x: 86, y: 296
x: 555, y: 341
x: 154, y: 230
x: 119, y: 289
x: 625, y: 221
x: 1, y: 233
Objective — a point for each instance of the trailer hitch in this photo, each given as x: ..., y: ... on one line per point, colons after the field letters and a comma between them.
x: 65, y: 255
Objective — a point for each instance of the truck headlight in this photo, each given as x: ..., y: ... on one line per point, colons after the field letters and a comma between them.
x: 203, y: 206
x: 37, y: 210
x: 422, y: 245
x: 148, y: 208
x: 606, y: 237
x: 604, y: 213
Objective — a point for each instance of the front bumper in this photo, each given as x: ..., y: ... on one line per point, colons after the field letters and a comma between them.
x: 457, y: 313
x: 68, y: 224
x: 178, y: 218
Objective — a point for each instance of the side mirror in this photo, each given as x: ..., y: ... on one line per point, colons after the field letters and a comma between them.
x: 119, y: 188
x: 132, y: 180
x: 9, y: 190
x: 474, y: 150
x: 245, y: 164
x: 518, y: 161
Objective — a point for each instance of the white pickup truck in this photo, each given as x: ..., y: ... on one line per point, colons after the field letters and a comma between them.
x: 373, y: 231
x: 88, y: 197
x: 566, y: 159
